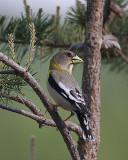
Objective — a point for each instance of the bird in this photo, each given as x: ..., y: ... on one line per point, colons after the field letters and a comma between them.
x: 65, y: 91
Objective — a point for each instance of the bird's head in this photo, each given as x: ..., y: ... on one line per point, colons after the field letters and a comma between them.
x: 65, y: 60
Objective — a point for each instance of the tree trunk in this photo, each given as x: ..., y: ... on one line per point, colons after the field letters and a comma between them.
x: 91, y: 75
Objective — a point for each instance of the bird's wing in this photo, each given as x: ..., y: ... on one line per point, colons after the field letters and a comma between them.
x: 69, y: 89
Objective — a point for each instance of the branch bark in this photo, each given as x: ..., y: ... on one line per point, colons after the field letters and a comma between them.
x: 91, y: 75
x: 22, y: 72
x: 23, y: 112
x: 42, y: 120
x: 124, y: 58
x: 24, y: 101
x: 7, y: 71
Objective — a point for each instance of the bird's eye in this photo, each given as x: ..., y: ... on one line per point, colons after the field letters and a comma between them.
x: 69, y: 54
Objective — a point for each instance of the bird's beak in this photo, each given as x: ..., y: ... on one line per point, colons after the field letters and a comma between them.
x: 76, y: 60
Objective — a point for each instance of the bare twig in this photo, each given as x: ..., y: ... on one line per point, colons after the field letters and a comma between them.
x: 22, y: 72
x: 120, y: 34
x: 43, y: 120
x: 107, y: 11
x: 7, y: 71
x: 23, y: 112
x: 123, y: 56
x: 116, y: 9
x: 47, y: 44
x: 32, y: 147
x: 24, y: 101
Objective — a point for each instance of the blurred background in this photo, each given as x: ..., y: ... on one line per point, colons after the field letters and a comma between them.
x: 16, y: 130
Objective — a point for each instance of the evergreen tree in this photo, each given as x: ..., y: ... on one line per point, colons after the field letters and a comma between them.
x: 37, y: 35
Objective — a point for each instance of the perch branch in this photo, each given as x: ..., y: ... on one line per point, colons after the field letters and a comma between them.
x: 22, y: 72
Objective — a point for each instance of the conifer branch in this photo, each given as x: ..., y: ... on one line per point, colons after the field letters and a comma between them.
x: 24, y: 74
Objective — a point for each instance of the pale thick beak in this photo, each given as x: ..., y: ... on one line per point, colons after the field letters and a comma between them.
x: 76, y: 60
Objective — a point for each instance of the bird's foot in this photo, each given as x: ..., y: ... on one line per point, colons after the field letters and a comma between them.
x: 55, y: 107
x: 72, y: 114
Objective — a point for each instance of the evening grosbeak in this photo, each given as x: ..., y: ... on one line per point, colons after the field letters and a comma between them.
x: 64, y: 89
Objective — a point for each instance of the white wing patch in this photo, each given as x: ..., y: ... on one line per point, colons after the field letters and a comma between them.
x: 67, y: 91
x: 64, y: 94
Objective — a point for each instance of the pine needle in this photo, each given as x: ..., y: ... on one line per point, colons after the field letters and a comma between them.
x: 27, y: 10
x: 0, y: 64
x: 32, y: 42
x: 11, y: 46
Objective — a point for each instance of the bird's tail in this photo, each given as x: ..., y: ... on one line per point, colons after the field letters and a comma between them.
x: 84, y: 125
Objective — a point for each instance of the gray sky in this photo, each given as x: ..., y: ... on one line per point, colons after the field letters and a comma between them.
x: 15, y: 7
